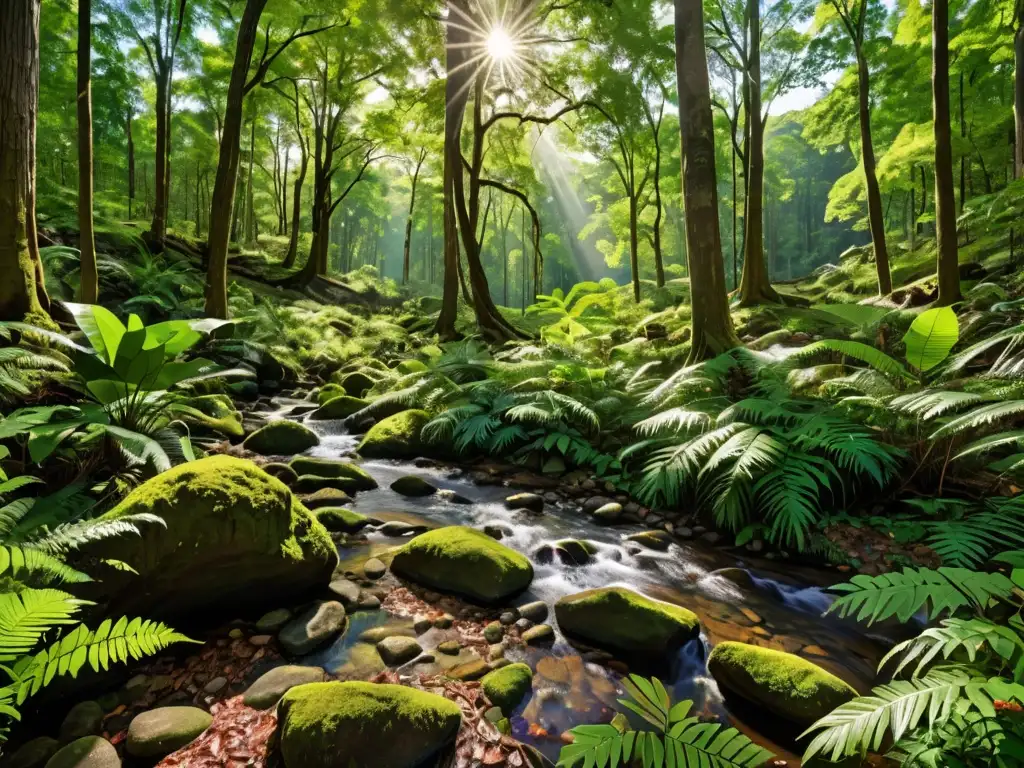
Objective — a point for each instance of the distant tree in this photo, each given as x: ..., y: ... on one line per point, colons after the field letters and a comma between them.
x: 89, y: 277
x: 948, y: 266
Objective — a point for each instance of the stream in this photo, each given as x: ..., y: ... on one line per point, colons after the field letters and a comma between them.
x: 766, y: 602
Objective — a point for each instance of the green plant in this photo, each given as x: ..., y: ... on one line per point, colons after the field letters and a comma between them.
x: 676, y: 738
x: 568, y: 309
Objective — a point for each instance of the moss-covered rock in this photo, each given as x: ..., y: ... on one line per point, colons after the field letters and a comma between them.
x: 271, y: 686
x: 363, y: 725
x: 620, y: 619
x: 410, y: 366
x: 160, y: 731
x: 357, y: 384
x: 782, y: 683
x: 341, y: 520
x: 340, y: 407
x: 311, y: 465
x: 281, y: 438
x: 233, y: 535
x: 87, y: 752
x: 326, y: 497
x: 658, y: 540
x: 411, y: 485
x: 213, y: 413
x: 282, y: 472
x: 507, y: 686
x: 328, y: 392
x: 396, y: 437
x: 466, y: 562
x: 33, y: 753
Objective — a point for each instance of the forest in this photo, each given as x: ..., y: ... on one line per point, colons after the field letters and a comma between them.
x: 526, y: 383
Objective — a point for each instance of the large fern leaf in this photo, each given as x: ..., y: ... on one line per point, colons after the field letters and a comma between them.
x: 32, y: 564
x: 25, y: 616
x: 967, y: 636
x: 855, y: 349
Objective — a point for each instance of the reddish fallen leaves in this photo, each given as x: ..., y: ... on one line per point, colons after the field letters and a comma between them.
x: 237, y: 737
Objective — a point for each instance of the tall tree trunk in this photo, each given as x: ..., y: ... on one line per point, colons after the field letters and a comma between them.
x: 22, y: 292
x: 199, y: 202
x: 250, y: 212
x: 1018, y: 94
x: 158, y: 228
x: 945, y: 201
x: 964, y: 156
x: 284, y: 194
x: 634, y: 256
x: 89, y: 283
x: 735, y: 213
x: 131, y: 165
x: 293, y: 240
x: 223, y: 198
x: 876, y: 219
x: 408, y: 221
x: 711, y: 323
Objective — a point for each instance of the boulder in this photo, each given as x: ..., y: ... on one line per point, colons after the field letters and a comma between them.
x: 574, y: 551
x: 347, y: 593
x: 271, y: 621
x: 341, y: 520
x: 470, y: 670
x: 396, y: 437
x: 620, y: 619
x: 411, y: 485
x: 410, y: 366
x: 360, y: 479
x: 281, y: 438
x: 531, y: 501
x: 86, y: 752
x: 33, y: 753
x: 83, y: 719
x: 313, y: 627
x: 536, y: 611
x: 357, y: 384
x: 538, y: 635
x: 340, y: 407
x: 363, y: 725
x: 464, y: 561
x: 658, y: 540
x: 326, y: 497
x: 778, y: 682
x: 398, y: 649
x: 213, y: 413
x: 507, y: 686
x: 282, y: 472
x: 270, y: 687
x: 328, y: 392
x: 232, y: 536
x: 158, y: 732
x: 607, y: 514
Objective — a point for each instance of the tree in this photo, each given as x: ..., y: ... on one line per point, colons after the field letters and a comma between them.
x: 86, y: 241
x: 712, y: 331
x: 945, y: 203
x: 22, y: 294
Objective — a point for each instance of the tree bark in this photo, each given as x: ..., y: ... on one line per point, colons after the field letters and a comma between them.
x: 634, y: 256
x: 712, y: 331
x: 408, y: 221
x: 293, y: 240
x: 876, y: 219
x: 131, y: 164
x: 158, y: 228
x: 1018, y: 93
x: 22, y: 292
x: 89, y: 277
x: 945, y: 201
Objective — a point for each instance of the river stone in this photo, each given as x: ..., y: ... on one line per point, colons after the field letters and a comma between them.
x: 531, y: 501
x: 33, y: 753
x: 493, y: 632
x: 507, y: 686
x: 357, y: 478
x: 282, y: 472
x: 452, y: 497
x: 396, y: 437
x: 471, y: 670
x: 340, y: 407
x: 271, y: 686
x: 620, y: 619
x: 536, y: 611
x: 364, y: 725
x: 215, y: 686
x: 497, y: 531
x: 281, y: 438
x: 357, y: 384
x: 507, y: 618
x: 450, y: 647
x: 374, y: 568
x: 608, y: 513
x: 574, y: 552
x: 778, y: 682
x: 444, y: 621
x: 397, y: 528
x: 346, y: 591
x: 741, y: 577
x: 313, y: 483
x: 542, y: 633
x: 327, y: 497
x: 658, y: 540
x: 464, y: 561
x: 86, y: 752
x: 374, y: 635
x: 411, y: 485
x: 594, y: 503
x: 158, y: 732
x: 341, y: 520
x: 397, y: 649
x: 312, y: 628
x: 83, y: 719
x: 271, y: 621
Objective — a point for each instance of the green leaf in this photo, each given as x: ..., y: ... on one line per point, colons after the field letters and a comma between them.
x: 100, y: 326
x: 931, y: 337
x: 855, y: 349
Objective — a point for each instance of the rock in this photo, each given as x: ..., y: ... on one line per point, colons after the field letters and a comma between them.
x: 357, y: 384
x: 396, y: 437
x: 411, y: 485
x: 273, y: 620
x: 778, y: 682
x: 497, y: 531
x: 619, y: 619
x: 281, y: 438
x: 507, y: 618
x: 536, y: 611
x: 450, y: 647
x: 341, y: 520
x: 658, y: 540
x: 87, y: 752
x: 215, y: 686
x: 158, y: 732
x: 368, y: 603
x: 398, y: 649
x: 312, y: 628
x: 346, y: 591
x: 444, y: 621
x: 410, y: 366
x: 213, y: 414
x: 739, y: 576
x: 542, y: 633
x: 575, y: 552
x: 507, y: 686
x: 472, y: 670
x: 452, y: 497
x: 607, y: 514
x: 357, y: 478
x: 340, y: 407
x: 363, y: 663
x: 466, y: 562
x: 327, y: 497
x: 236, y: 634
x: 83, y: 719
x: 260, y: 640
x: 493, y: 632
x: 270, y: 687
x: 374, y: 568
x: 375, y: 634
x: 328, y: 392
x: 282, y: 472
x: 531, y: 501
x: 355, y: 724
x: 496, y: 652
x: 33, y: 753
x: 233, y: 537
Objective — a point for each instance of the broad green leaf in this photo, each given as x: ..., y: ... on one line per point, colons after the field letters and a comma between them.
x: 931, y: 337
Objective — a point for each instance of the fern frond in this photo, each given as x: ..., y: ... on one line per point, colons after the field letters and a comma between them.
x: 932, y: 403
x: 674, y: 420
x: 26, y: 615
x: 72, y: 536
x: 32, y: 564
x: 976, y: 418
x: 956, y: 635
x: 855, y: 349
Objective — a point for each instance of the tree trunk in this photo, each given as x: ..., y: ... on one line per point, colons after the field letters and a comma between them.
x: 408, y: 221
x: 22, y: 292
x: 634, y: 257
x: 250, y: 212
x: 1018, y: 94
x: 131, y: 165
x: 945, y: 201
x: 89, y: 282
x: 711, y: 323
x: 875, y: 217
x: 223, y: 198
x: 293, y: 240
x: 158, y: 228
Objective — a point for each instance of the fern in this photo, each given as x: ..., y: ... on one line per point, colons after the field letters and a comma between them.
x: 971, y: 541
x: 855, y: 349
x: 27, y: 615
x: 977, y: 418
x: 25, y: 564
x: 955, y: 636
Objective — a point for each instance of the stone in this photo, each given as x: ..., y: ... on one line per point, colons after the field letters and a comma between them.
x: 574, y: 551
x: 273, y: 620
x: 446, y: 494
x: 318, y: 624
x: 496, y: 652
x: 340, y: 407
x: 507, y: 686
x: 83, y: 719
x: 375, y: 634
x: 364, y: 725
x: 594, y: 503
x: 260, y: 640
x: 158, y: 732
x: 493, y: 632
x: 471, y: 670
x: 346, y: 591
x: 536, y: 611
x: 271, y: 686
x: 368, y: 602
x: 711, y: 537
x: 464, y: 561
x: 607, y: 514
x: 787, y: 685
x: 657, y: 540
x: 374, y: 568
x: 619, y: 619
x: 530, y: 501
x: 497, y: 531
x: 357, y: 384
x: 444, y: 621
x: 397, y: 649
x: 356, y: 479
x: 282, y: 472
x: 341, y: 520
x: 507, y: 618
x: 215, y: 686
x: 327, y: 497
x: 281, y: 438
x: 397, y: 528
x: 87, y: 752
x: 412, y: 485
x: 396, y: 437
x: 33, y: 753
x: 538, y: 635
x: 236, y: 634
x: 450, y: 647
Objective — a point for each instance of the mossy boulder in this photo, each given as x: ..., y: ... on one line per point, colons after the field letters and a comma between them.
x: 466, y: 562
x: 507, y: 686
x: 213, y: 413
x: 160, y: 731
x: 340, y: 407
x: 411, y: 485
x: 363, y: 725
x: 311, y: 465
x: 357, y: 384
x: 33, y: 753
x: 396, y: 437
x: 620, y: 619
x: 410, y: 366
x: 787, y: 685
x: 281, y: 438
x: 282, y: 472
x: 86, y: 752
x: 326, y: 497
x: 233, y: 536
x: 271, y: 686
x: 659, y: 540
x: 341, y: 520
x: 328, y: 392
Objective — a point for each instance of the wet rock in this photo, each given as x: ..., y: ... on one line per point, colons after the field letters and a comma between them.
x: 375, y: 634
x: 340, y: 407
x: 282, y: 472
x: 574, y: 551
x: 523, y: 624
x: 539, y: 635
x: 495, y: 652
x: 450, y: 647
x: 374, y: 568
x: 326, y: 497
x: 472, y: 670
x: 87, y: 752
x: 683, y: 532
x: 711, y: 537
x: 738, y: 576
x: 752, y: 616
x: 493, y: 632
x: 411, y: 485
x: 314, y: 627
x: 397, y: 649
x: 507, y: 686
x: 497, y: 531
x: 444, y: 621
x: 421, y: 624
x: 452, y: 497
x: 341, y: 520
x: 33, y: 753
x: 346, y: 591
x: 260, y: 640
x: 657, y: 540
x: 368, y: 602
x: 536, y: 611
x: 507, y: 618
x: 608, y: 514
x: 158, y: 732
x: 529, y: 501
x: 273, y: 620
x: 83, y: 719
x: 270, y: 687
x: 551, y: 497
x: 396, y: 437
x: 396, y: 529
x: 215, y: 686
x: 281, y: 438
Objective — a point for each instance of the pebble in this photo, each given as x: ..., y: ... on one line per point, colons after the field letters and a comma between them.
x: 534, y: 612
x: 507, y: 618
x: 215, y: 686
x: 397, y: 650
x: 374, y: 568
x: 236, y: 634
x: 450, y: 647
x: 421, y: 624
x: 542, y: 633
x: 445, y: 621
x: 493, y: 632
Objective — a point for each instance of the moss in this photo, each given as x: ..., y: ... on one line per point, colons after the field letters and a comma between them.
x: 464, y: 561
x: 410, y: 366
x: 507, y: 686
x: 281, y: 438
x: 215, y: 413
x: 309, y: 465
x: 396, y: 437
x: 340, y: 407
x: 621, y: 619
x: 357, y: 384
x: 363, y: 725
x: 788, y: 685
x: 328, y: 392
x: 341, y: 520
x: 411, y: 485
x: 233, y: 534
